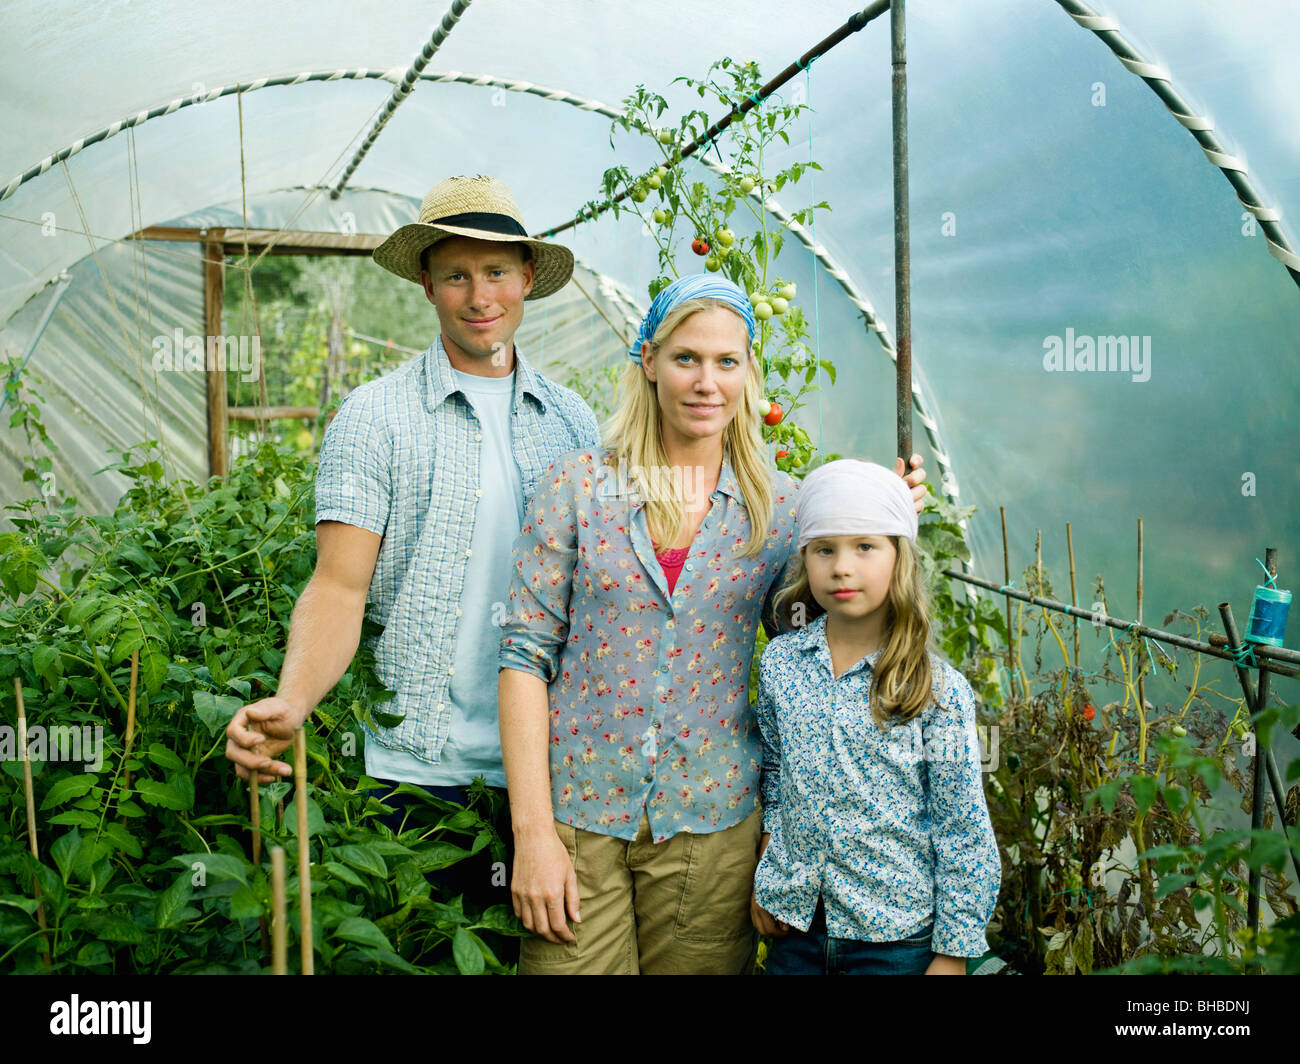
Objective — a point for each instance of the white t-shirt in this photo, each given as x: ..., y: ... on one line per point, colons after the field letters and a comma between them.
x: 473, y: 746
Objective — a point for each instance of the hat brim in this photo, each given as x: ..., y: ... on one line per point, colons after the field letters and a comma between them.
x: 400, y: 254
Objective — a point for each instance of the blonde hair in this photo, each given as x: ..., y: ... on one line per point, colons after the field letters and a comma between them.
x: 634, y: 436
x: 901, y: 678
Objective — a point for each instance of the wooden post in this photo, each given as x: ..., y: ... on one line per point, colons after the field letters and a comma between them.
x: 902, y: 240
x: 30, y: 797
x: 214, y: 285
x: 279, y: 915
x: 304, y: 855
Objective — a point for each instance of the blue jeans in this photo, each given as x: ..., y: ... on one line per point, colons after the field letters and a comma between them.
x: 475, y: 878
x: 815, y: 952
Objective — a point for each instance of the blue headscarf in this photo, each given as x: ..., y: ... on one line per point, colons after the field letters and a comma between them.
x: 696, y: 286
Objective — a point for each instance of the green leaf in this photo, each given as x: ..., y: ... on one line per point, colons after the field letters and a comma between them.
x: 123, y: 839
x: 48, y: 663
x: 153, y: 667
x: 171, y: 795
x: 411, y: 883
x: 216, y: 711
x: 363, y: 932
x: 1169, y: 884
x: 68, y: 788
x: 164, y: 758
x: 245, y: 904
x: 217, y: 867
x: 343, y: 872
x: 172, y: 901
x: 1144, y: 792
x: 64, y: 852
x: 438, y: 855
x: 103, y: 624
x: 465, y: 951
x: 364, y: 859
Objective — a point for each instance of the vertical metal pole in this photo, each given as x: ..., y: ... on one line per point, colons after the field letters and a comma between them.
x: 902, y: 245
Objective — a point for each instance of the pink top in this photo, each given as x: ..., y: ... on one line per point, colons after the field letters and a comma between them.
x: 672, y: 561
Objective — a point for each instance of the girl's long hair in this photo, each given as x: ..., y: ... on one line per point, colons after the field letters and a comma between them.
x: 901, y: 679
x: 634, y: 435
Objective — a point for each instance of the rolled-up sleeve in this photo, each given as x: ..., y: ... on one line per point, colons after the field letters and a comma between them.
x: 967, y: 868
x: 769, y: 786
x: 354, y: 472
x: 537, y: 613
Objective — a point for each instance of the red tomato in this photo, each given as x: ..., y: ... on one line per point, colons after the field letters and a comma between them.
x: 700, y: 247
x: 1089, y: 711
x: 774, y: 415
x: 783, y: 453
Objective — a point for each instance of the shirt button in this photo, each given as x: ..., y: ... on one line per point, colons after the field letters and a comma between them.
x: 478, y: 493
x: 689, y: 566
x: 451, y: 671
x: 439, y: 707
x: 469, y: 553
x: 668, y: 624
x: 478, y: 436
x: 458, y: 613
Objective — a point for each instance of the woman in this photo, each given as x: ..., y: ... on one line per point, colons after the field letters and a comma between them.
x: 642, y: 569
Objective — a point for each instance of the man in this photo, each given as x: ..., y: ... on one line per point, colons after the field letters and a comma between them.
x: 420, y: 494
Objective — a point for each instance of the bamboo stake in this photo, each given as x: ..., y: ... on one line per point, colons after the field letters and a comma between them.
x: 1011, y: 639
x: 255, y: 816
x: 304, y: 857
x: 1142, y: 690
x: 279, y: 915
x: 130, y: 719
x: 1074, y: 593
x: 30, y: 796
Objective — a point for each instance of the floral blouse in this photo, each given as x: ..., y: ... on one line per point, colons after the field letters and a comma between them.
x: 648, y: 688
x: 890, y: 827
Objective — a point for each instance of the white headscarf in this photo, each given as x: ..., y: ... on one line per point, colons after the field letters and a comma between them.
x: 849, y: 497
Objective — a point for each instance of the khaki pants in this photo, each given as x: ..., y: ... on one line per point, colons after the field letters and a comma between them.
x: 679, y: 907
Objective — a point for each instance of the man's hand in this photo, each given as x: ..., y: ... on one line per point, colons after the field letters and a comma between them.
x: 260, y: 731
x: 945, y: 965
x: 914, y: 480
x: 544, y: 886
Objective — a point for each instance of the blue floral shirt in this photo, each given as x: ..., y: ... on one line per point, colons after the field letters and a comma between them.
x: 648, y: 691
x: 890, y: 827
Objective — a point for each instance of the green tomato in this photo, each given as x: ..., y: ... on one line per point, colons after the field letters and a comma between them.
x: 639, y: 194
x: 1179, y: 730
x: 654, y: 181
x: 660, y: 172
x: 764, y: 407
x: 787, y: 291
x: 747, y: 185
x: 713, y: 264
x: 666, y: 136
x: 725, y: 237
x: 762, y: 310
x: 755, y: 298
x: 779, y: 305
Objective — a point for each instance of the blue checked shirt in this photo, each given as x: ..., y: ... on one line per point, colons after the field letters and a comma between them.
x: 890, y: 827
x: 648, y: 691
x: 401, y: 459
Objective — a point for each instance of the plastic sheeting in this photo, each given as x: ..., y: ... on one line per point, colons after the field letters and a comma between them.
x: 1041, y: 208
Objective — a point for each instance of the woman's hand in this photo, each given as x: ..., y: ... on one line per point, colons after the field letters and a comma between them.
x: 764, y: 921
x: 914, y: 480
x: 544, y: 887
x: 946, y: 965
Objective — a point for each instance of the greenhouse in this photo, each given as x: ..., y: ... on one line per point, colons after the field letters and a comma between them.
x: 1046, y: 246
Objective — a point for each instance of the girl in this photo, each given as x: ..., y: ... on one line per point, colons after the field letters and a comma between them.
x: 878, y: 852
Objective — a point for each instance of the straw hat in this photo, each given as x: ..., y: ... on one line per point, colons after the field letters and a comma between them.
x: 477, y: 207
